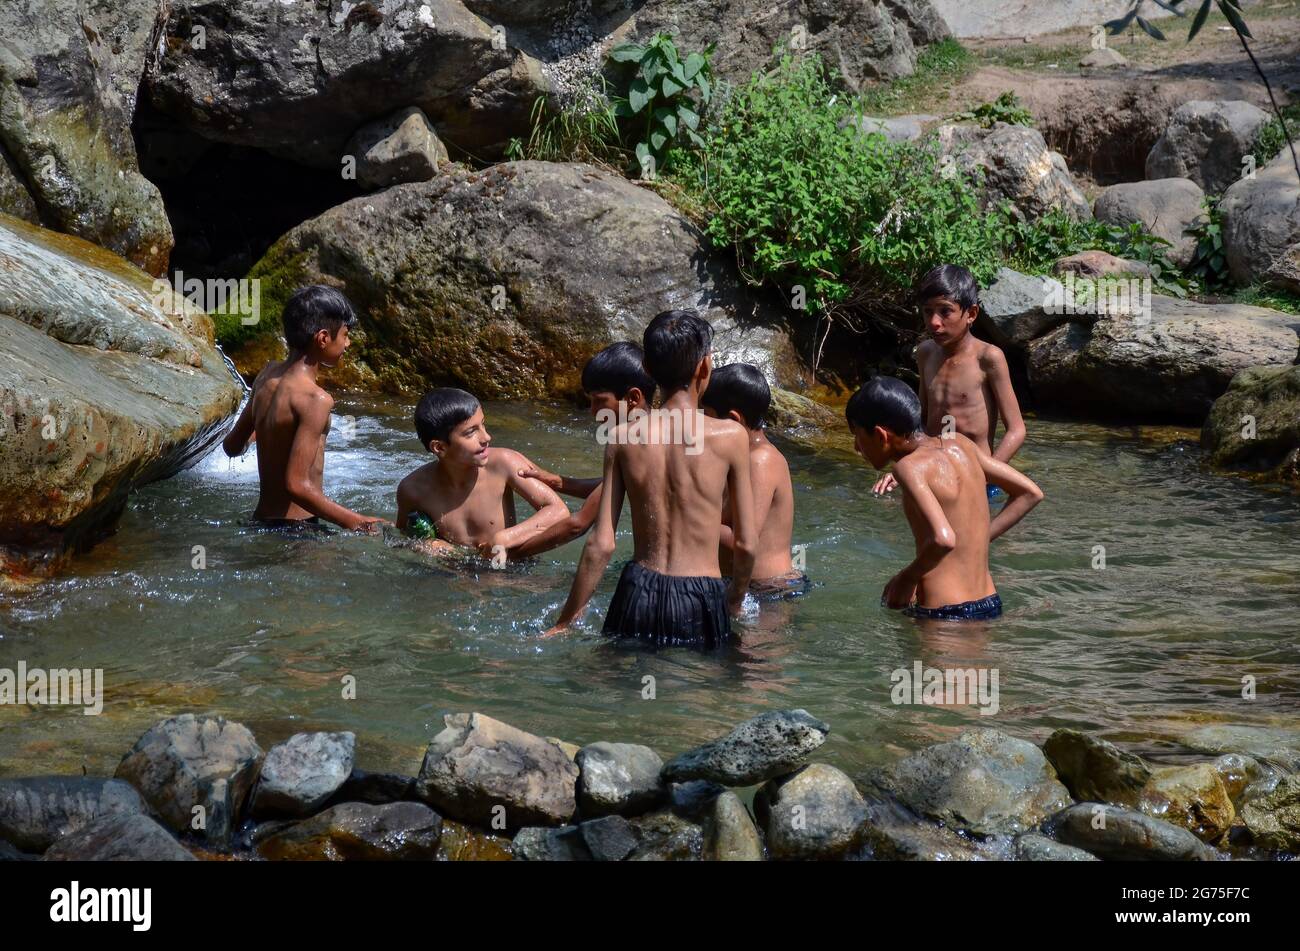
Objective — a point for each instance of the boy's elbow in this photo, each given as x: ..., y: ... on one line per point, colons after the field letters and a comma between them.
x: 1035, y: 493
x: 945, y: 539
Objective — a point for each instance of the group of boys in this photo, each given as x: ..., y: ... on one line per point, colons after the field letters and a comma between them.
x: 711, y: 498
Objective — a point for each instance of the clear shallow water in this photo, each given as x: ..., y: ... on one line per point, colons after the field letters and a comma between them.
x: 1200, y: 589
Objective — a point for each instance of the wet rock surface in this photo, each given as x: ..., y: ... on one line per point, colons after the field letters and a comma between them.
x: 811, y: 814
x: 356, y: 831
x: 299, y: 775
x: 620, y: 778
x: 768, y: 745
x: 1114, y: 833
x: 35, y: 812
x: 126, y: 837
x: 1095, y: 770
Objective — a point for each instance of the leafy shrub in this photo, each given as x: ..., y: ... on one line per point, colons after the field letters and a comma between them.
x: 663, y: 96
x: 805, y: 198
x: 585, y: 130
x: 1209, y: 265
x: 1271, y: 140
x: 1006, y: 108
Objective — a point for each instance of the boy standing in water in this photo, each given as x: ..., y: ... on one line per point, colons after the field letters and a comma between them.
x: 965, y: 383
x: 674, y: 464
x: 944, y: 499
x: 467, y: 496
x: 617, y: 387
x: 288, y: 415
x: 740, y: 392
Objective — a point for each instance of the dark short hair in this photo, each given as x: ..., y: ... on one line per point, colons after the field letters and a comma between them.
x: 885, y: 401
x: 675, y: 343
x: 951, y: 281
x: 312, y: 309
x: 442, y: 410
x: 617, y: 369
x: 739, y: 386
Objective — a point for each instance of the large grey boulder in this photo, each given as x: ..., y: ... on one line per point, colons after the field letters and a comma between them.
x: 128, y: 837
x: 358, y: 831
x: 1115, y: 833
x: 812, y: 814
x: 1261, y: 220
x: 299, y: 775
x: 1170, y: 360
x: 400, y: 148
x: 1093, y: 769
x: 298, y: 79
x: 196, y: 773
x: 1205, y: 141
x: 69, y: 74
x: 1256, y: 425
x: 768, y: 745
x: 1166, y: 207
x: 618, y: 778
x: 107, y: 381
x: 506, y: 281
x: 1015, y: 165
x: 484, y: 771
x: 984, y: 782
x: 1014, y: 309
x: 35, y: 812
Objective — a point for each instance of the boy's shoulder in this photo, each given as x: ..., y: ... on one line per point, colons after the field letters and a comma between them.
x: 991, y: 356
x: 766, y: 454
x: 503, y: 460
x: 418, y: 479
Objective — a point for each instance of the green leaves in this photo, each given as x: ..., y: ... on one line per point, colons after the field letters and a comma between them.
x: 664, y: 95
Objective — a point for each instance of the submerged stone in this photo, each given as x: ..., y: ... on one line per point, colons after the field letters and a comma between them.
x: 1274, y: 819
x: 1093, y: 769
x: 126, y: 837
x: 358, y: 831
x: 37, y: 811
x: 1115, y: 833
x: 768, y: 745
x: 1193, y: 797
x: 984, y: 782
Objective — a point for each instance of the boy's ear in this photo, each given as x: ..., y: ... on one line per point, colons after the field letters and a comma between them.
x: 738, y: 417
x: 973, y: 312
x: 704, y: 371
x: 634, y: 398
x: 437, y: 447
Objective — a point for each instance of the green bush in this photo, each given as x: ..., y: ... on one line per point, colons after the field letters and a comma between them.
x: 662, y: 97
x: 1006, y: 108
x: 805, y: 198
x: 1271, y: 140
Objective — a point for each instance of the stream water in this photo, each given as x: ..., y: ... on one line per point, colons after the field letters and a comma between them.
x: 1199, y: 590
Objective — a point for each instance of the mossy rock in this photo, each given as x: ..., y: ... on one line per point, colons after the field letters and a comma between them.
x: 1255, y: 425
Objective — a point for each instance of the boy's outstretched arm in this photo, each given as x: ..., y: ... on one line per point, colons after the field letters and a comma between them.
x: 1004, y: 395
x: 563, y: 531
x: 313, y: 419
x: 744, y: 529
x: 549, y: 507
x: 931, y: 546
x: 600, y: 545
x: 1024, y: 492
x: 577, y: 488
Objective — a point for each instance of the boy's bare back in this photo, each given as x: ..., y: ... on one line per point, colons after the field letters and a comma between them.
x: 949, y: 475
x: 676, y: 496
x: 287, y: 409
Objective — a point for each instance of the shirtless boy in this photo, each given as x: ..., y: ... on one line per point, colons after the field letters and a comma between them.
x: 944, y: 499
x: 740, y: 392
x: 616, y: 385
x: 674, y: 465
x: 288, y: 415
x: 965, y: 383
x: 467, y: 496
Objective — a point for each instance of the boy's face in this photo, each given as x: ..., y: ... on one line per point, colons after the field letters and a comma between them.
x: 945, y: 320
x: 602, y: 401
x: 333, y: 346
x: 468, y: 445
x: 872, y: 445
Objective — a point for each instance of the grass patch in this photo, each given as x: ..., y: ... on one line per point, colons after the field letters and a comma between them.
x: 1270, y: 297
x: 938, y: 67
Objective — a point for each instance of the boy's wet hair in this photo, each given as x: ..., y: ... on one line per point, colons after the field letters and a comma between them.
x: 739, y: 386
x: 951, y: 281
x: 885, y: 401
x: 312, y: 309
x: 442, y: 410
x: 675, y: 343
x: 617, y: 369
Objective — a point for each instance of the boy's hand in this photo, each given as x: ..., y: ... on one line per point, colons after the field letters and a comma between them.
x: 549, y: 479
x: 885, y: 484
x: 368, y: 524
x: 900, y: 592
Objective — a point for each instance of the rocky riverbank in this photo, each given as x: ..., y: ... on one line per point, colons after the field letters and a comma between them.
x: 200, y: 787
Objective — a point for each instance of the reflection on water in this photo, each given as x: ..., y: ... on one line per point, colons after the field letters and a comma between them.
x: 1200, y: 589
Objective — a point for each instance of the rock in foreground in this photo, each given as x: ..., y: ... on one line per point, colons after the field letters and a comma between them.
x: 1114, y: 833
x: 811, y: 814
x: 299, y: 775
x: 357, y: 831
x: 36, y: 812
x: 1095, y: 770
x: 1255, y: 425
x: 129, y: 837
x: 766, y: 746
x: 620, y: 778
x: 484, y: 771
